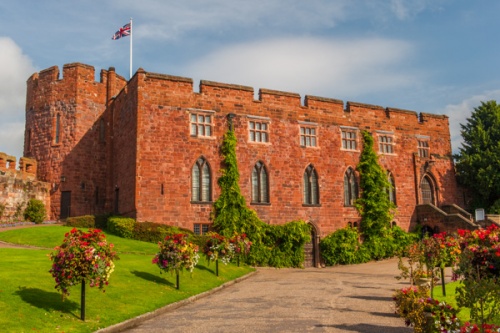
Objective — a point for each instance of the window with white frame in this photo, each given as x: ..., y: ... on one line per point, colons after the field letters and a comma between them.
x: 423, y: 148
x: 201, y: 124
x: 386, y: 143
x: 258, y: 130
x: 349, y: 138
x: 308, y: 136
x: 260, y: 187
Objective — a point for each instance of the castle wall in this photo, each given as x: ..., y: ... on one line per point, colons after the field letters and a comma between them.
x: 166, y: 152
x: 62, y: 134
x: 18, y: 186
x: 127, y: 147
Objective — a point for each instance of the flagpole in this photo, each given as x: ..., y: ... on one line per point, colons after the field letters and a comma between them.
x: 131, y: 33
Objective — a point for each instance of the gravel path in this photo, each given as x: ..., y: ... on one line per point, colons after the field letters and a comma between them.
x: 355, y: 298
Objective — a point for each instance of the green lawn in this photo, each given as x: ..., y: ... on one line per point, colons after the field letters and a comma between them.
x: 29, y: 302
x: 464, y: 314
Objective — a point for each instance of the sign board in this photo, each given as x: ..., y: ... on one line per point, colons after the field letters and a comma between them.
x: 480, y: 214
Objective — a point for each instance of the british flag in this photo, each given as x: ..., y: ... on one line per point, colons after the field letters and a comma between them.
x: 124, y: 31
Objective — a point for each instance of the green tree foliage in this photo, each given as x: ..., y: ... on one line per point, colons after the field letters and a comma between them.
x: 272, y: 245
x: 478, y: 160
x: 374, y: 205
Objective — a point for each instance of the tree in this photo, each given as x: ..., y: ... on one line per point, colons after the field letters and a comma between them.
x: 478, y: 160
x: 374, y: 205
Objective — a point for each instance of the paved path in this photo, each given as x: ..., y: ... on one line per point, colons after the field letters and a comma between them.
x: 355, y: 298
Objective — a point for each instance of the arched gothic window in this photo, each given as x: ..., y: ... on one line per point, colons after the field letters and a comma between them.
x: 260, y: 187
x: 350, y: 187
x: 427, y: 188
x: 201, y: 188
x: 311, y: 188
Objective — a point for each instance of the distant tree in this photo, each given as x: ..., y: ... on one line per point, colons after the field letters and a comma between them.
x: 478, y: 160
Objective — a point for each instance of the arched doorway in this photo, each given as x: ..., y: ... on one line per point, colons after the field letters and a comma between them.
x: 311, y: 249
x: 428, y: 191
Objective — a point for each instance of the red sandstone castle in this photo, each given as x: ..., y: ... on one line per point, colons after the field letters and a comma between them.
x: 148, y: 148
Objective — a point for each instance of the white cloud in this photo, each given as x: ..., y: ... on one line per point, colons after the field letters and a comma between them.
x: 458, y: 114
x: 15, y: 68
x: 325, y: 67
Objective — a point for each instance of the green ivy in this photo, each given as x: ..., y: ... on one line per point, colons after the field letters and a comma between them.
x: 374, y: 205
x: 272, y: 245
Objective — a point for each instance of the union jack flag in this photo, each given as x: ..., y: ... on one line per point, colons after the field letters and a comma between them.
x: 124, y: 31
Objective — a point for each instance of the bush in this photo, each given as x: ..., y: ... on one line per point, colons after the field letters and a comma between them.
x: 101, y: 221
x: 35, y: 211
x: 121, y: 226
x: 155, y: 232
x: 85, y: 221
x: 342, y: 247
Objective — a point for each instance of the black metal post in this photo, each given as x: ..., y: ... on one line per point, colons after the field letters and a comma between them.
x: 442, y: 282
x: 217, y: 267
x: 82, y: 305
x: 177, y: 280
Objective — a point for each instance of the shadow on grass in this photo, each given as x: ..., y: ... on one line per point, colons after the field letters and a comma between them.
x: 205, y: 268
x: 153, y: 278
x: 47, y: 300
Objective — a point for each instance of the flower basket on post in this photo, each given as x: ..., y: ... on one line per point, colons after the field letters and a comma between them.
x: 175, y: 255
x: 241, y: 246
x: 82, y: 257
x: 218, y: 247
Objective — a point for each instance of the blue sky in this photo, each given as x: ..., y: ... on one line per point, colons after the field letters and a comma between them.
x: 436, y: 56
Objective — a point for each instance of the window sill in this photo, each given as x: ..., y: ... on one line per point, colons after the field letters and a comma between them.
x: 311, y: 205
x: 261, y: 203
x: 201, y: 202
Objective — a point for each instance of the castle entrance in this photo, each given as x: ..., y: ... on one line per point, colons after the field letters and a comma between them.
x: 65, y: 204
x: 311, y: 251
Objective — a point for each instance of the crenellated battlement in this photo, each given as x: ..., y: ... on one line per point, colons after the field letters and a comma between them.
x: 27, y: 166
x: 245, y: 95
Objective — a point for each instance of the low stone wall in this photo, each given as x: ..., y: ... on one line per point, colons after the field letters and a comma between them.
x: 17, y: 187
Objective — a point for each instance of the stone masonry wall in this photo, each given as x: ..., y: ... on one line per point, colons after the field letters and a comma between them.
x: 126, y: 147
x: 18, y: 186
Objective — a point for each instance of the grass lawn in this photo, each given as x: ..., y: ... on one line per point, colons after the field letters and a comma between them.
x: 464, y: 314
x: 29, y: 302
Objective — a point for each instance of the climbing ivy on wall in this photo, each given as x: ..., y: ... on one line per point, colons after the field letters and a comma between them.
x: 374, y: 205
x: 272, y: 245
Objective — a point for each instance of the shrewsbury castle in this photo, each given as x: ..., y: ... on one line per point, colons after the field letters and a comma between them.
x: 149, y: 148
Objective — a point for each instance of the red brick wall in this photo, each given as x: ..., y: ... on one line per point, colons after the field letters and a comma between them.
x: 149, y: 147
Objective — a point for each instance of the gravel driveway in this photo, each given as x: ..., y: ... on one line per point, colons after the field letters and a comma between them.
x: 355, y: 298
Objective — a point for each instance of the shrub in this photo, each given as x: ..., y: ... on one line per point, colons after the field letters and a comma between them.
x: 121, y: 226
x: 101, y: 221
x: 341, y: 247
x: 85, y: 221
x: 410, y: 305
x: 35, y: 211
x: 154, y: 232
x: 2, y: 210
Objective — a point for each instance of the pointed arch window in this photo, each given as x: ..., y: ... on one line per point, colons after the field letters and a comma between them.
x: 311, y: 188
x: 201, y: 188
x: 391, y: 191
x: 350, y: 187
x: 427, y: 189
x: 260, y: 184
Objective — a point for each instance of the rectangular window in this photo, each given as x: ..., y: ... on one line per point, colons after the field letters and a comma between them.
x: 423, y: 148
x: 201, y: 124
x: 386, y: 144
x: 201, y: 228
x: 349, y: 139
x: 258, y: 131
x: 308, y: 137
